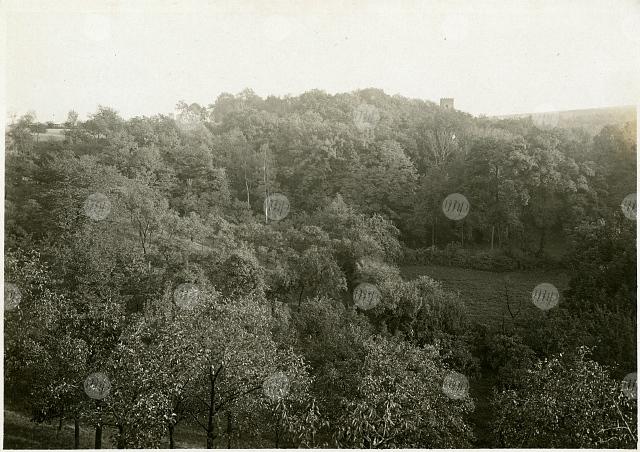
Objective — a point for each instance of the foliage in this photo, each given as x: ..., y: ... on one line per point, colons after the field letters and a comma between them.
x: 185, y: 204
x: 566, y: 401
x: 399, y: 402
x: 509, y: 358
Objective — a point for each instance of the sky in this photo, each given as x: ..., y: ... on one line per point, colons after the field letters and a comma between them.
x: 494, y: 57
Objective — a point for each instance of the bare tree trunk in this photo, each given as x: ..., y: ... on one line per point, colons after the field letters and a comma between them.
x: 98, y: 437
x: 212, y: 398
x: 493, y: 229
x: 246, y: 181
x: 76, y: 433
x: 264, y: 180
x: 210, y: 430
x: 120, y: 444
x: 542, y: 242
x: 246, y: 184
x: 171, y: 440
x: 433, y: 234
x: 300, y: 296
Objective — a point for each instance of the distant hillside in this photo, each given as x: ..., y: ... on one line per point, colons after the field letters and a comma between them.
x: 592, y: 120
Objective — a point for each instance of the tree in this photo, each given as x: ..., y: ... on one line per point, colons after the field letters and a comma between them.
x: 421, y: 309
x: 613, y: 153
x: 233, y: 357
x: 241, y: 162
x: 18, y: 135
x: 544, y: 413
x: 103, y: 123
x: 547, y: 180
x: 45, y: 362
x: 287, y: 415
x: 71, y: 131
x: 140, y: 390
x: 603, y: 283
x: 356, y: 236
x: 492, y: 186
x: 432, y: 188
x: 240, y: 274
x: 400, y: 402
x: 331, y: 339
x: 382, y: 182
x: 146, y: 210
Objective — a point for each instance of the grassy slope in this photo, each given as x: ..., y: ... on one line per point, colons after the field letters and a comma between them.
x: 21, y: 433
x: 484, y: 292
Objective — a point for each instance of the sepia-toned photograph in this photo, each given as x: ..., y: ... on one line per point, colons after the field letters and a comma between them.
x: 323, y: 224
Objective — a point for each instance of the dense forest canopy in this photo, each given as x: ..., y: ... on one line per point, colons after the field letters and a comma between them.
x: 142, y: 250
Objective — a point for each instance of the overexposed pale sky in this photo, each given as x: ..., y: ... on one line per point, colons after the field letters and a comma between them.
x: 494, y: 57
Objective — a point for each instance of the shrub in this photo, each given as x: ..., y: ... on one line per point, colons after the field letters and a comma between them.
x: 399, y: 402
x: 419, y: 309
x: 239, y: 274
x: 568, y: 401
x: 509, y: 358
x: 602, y: 291
x: 456, y: 353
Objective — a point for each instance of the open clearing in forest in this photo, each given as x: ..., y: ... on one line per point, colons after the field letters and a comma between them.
x: 483, y: 292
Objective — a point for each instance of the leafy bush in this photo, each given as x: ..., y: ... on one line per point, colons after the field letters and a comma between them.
x: 331, y: 338
x: 602, y: 291
x: 568, y: 401
x: 399, y: 402
x: 456, y: 353
x: 418, y: 309
x: 509, y: 358
x: 240, y: 274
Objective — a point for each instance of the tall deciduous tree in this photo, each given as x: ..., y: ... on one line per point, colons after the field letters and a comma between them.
x: 400, y: 402
x: 544, y: 413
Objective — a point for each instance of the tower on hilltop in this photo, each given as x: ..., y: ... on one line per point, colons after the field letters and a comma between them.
x: 446, y: 102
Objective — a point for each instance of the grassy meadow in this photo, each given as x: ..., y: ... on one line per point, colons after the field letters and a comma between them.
x: 484, y: 292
